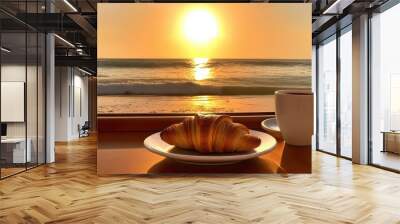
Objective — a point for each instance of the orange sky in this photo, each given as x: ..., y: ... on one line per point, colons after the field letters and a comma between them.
x: 255, y: 30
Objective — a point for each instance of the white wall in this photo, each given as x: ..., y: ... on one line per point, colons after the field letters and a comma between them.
x: 13, y: 72
x: 71, y: 87
x: 62, y: 81
x: 82, y: 82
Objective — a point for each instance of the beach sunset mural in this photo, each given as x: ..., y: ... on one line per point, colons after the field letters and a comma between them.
x: 187, y: 58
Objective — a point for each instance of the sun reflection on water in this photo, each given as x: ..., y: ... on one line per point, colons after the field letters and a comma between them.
x: 203, y: 103
x: 200, y: 70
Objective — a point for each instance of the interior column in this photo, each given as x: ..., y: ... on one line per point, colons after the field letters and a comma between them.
x: 360, y: 90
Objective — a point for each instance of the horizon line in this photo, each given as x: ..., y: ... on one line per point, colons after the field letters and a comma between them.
x: 204, y: 57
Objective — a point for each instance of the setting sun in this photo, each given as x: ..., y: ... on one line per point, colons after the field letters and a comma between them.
x: 197, y: 30
x: 200, y: 26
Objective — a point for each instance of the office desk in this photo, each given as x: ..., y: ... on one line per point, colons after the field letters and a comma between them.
x: 13, y: 150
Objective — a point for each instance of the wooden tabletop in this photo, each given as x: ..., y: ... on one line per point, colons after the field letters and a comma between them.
x: 124, y: 153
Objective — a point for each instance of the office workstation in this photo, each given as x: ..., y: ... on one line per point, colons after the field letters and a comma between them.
x: 16, y: 146
x: 22, y: 104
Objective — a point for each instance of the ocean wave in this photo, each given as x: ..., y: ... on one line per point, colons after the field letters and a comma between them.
x: 188, y: 63
x: 262, y: 81
x: 186, y: 89
x: 144, y: 63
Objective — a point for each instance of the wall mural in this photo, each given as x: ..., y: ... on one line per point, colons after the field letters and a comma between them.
x: 207, y: 59
x: 185, y: 58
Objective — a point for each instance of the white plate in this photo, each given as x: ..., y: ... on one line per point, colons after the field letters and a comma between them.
x: 270, y: 124
x: 155, y: 144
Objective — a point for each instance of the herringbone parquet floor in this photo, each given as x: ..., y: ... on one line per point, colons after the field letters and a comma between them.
x: 69, y: 191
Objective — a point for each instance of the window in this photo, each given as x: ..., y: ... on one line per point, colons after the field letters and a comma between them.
x: 385, y: 89
x: 334, y: 94
x: 22, y: 88
x: 346, y: 92
x: 327, y: 96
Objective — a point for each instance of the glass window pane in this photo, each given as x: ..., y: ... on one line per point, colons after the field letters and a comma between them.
x: 22, y: 90
x: 327, y: 96
x: 346, y: 94
x: 13, y: 86
x: 32, y: 88
x: 31, y: 97
x: 385, y: 84
x: 41, y: 98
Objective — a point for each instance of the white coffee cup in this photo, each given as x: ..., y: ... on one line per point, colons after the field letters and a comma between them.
x: 295, y: 115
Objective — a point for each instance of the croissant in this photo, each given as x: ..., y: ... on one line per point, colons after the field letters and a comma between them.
x: 210, y: 134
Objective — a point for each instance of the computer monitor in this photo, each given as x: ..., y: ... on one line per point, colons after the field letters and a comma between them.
x: 3, y: 129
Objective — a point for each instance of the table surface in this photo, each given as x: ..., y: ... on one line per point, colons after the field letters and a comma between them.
x: 124, y: 153
x: 390, y: 132
x: 12, y: 140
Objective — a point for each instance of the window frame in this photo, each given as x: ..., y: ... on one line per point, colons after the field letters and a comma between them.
x: 335, y: 36
x: 27, y: 29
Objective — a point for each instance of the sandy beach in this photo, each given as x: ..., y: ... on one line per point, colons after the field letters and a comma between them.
x: 185, y: 104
